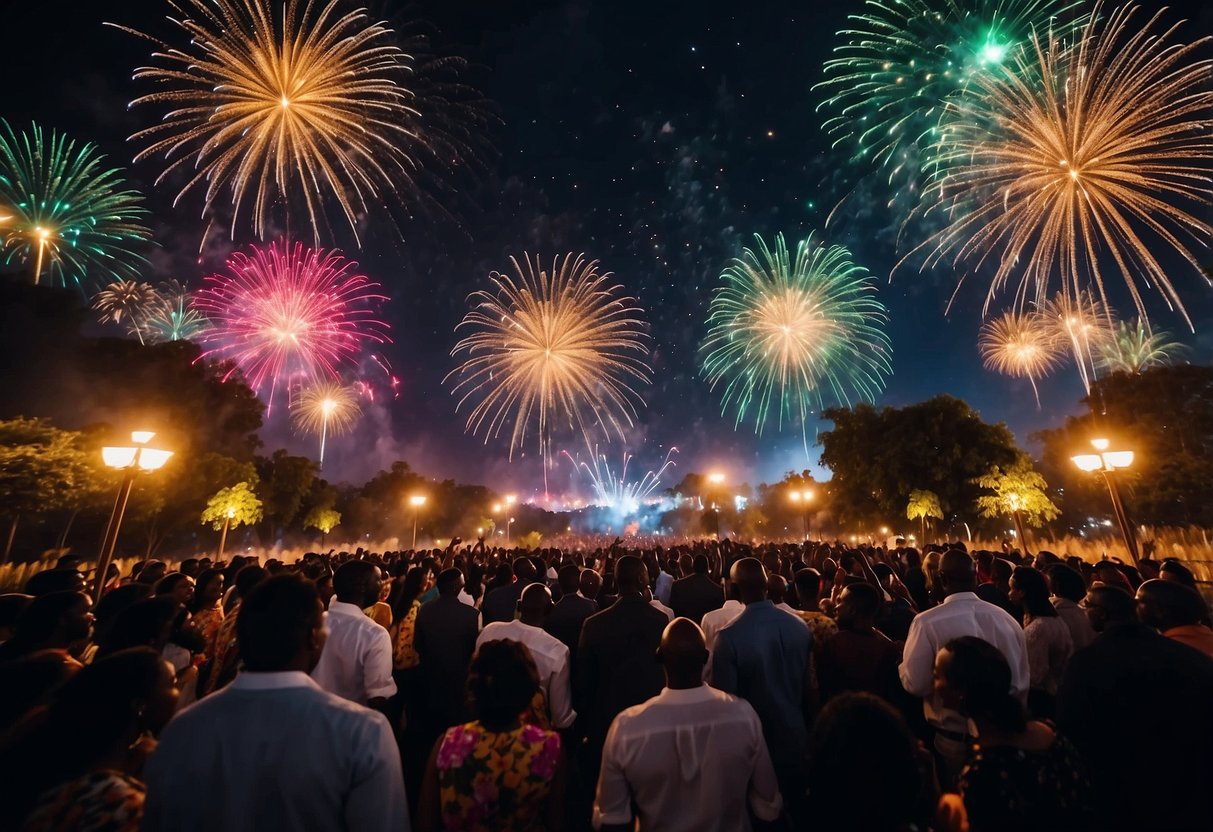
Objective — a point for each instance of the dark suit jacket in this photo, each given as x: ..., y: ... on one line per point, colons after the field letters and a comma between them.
x: 501, y: 603
x: 693, y: 596
x: 445, y: 638
x: 617, y: 665
x: 566, y: 619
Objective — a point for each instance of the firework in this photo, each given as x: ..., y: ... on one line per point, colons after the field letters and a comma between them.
x: 174, y: 318
x: 286, y: 314
x: 325, y: 409
x: 1085, y: 324
x: 127, y: 300
x: 1134, y: 347
x: 789, y: 335
x: 1083, y: 156
x: 902, y: 61
x: 282, y: 103
x: 550, y: 349
x: 615, y: 491
x: 64, y: 211
x: 1021, y: 345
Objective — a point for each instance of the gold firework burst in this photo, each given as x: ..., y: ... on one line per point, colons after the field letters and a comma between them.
x: 325, y: 410
x: 1021, y: 345
x: 1085, y: 324
x: 551, y: 346
x: 1096, y: 151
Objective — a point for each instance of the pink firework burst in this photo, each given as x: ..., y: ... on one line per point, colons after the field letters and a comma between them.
x: 287, y: 315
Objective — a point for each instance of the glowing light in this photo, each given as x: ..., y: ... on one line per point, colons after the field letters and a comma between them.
x: 128, y: 300
x: 1085, y: 324
x: 417, y: 500
x: 325, y: 409
x: 1021, y: 345
x: 1134, y: 348
x: 615, y: 491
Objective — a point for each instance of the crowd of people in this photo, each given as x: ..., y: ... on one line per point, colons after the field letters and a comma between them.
x: 699, y: 686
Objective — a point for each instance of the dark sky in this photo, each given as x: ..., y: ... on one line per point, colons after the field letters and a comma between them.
x: 656, y: 137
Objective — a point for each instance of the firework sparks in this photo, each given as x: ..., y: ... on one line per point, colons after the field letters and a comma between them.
x: 615, y: 491
x: 1084, y: 323
x: 551, y: 349
x: 174, y: 318
x: 1134, y: 348
x: 1086, y: 153
x: 283, y: 102
x: 127, y: 300
x: 288, y: 314
x: 1021, y: 345
x: 788, y: 335
x: 325, y: 410
x: 65, y: 211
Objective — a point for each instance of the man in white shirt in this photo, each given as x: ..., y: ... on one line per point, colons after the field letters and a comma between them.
x: 357, y: 660
x: 272, y: 750
x: 691, y: 758
x: 550, y: 654
x: 962, y: 613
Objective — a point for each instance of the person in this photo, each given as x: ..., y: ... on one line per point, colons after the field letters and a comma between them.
x: 74, y: 764
x: 691, y: 758
x: 808, y: 602
x: 499, y: 604
x: 1176, y: 611
x: 496, y: 773
x: 961, y: 613
x: 1134, y: 698
x: 656, y: 604
x: 697, y: 594
x: 56, y: 621
x: 206, y: 609
x: 357, y: 662
x: 571, y: 611
x: 26, y: 683
x: 858, y: 732
x: 1047, y: 638
x: 59, y: 579
x: 858, y: 657
x: 615, y: 666
x: 146, y: 623
x: 273, y: 750
x: 550, y: 656
x: 716, y: 620
x: 445, y: 639
x: 1068, y: 589
x: 406, y: 603
x: 997, y: 590
x: 12, y: 605
x: 764, y: 658
x: 1020, y: 773
x: 224, y: 652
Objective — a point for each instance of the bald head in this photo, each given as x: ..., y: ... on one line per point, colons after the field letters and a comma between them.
x: 1165, y: 604
x: 683, y: 654
x: 750, y: 578
x: 591, y: 583
x: 777, y: 588
x: 630, y: 574
x: 957, y: 572
x: 534, y: 605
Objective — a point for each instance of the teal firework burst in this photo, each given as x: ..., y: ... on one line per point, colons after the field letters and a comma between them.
x: 174, y: 318
x: 787, y: 337
x: 63, y: 213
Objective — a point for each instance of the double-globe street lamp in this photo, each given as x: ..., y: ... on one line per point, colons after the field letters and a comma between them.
x: 416, y: 501
x: 802, y: 499
x: 1108, y: 463
x: 131, y: 460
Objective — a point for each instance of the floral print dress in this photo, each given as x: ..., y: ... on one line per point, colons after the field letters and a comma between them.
x: 498, y: 782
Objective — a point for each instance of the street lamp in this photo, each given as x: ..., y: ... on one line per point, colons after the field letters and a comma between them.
x: 227, y: 524
x: 130, y: 460
x: 507, y: 531
x: 1107, y: 463
x: 716, y: 478
x: 802, y: 499
x: 416, y: 501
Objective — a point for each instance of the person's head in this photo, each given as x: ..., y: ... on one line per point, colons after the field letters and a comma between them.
x: 357, y: 582
x: 450, y: 582
x: 178, y: 586
x: 591, y: 584
x: 534, y: 605
x: 248, y: 577
x: 60, y: 620
x: 750, y: 578
x: 1066, y: 582
x: 152, y: 572
x: 502, y: 681
x: 409, y: 589
x: 1108, y: 605
x: 208, y: 590
x: 524, y: 569
x: 12, y: 604
x: 1165, y: 604
x: 191, y: 567
x: 683, y: 653
x: 280, y: 626
x: 1001, y: 570
x: 973, y: 677
x: 956, y: 572
x: 569, y: 579
x: 777, y: 587
x: 808, y: 587
x: 54, y: 580
x: 146, y: 623
x: 1173, y: 570
x: 858, y: 606
x: 1029, y: 589
x: 630, y: 575
x: 699, y: 564
x: 28, y: 681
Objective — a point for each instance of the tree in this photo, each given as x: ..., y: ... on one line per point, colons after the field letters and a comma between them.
x: 323, y: 520
x: 285, y: 482
x: 1019, y: 491
x: 235, y: 506
x: 878, y: 457
x: 923, y: 504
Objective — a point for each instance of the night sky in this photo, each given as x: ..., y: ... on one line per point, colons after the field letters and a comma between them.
x: 656, y: 137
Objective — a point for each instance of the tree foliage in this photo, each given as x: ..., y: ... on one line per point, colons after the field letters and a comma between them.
x: 237, y: 506
x: 1017, y: 489
x: 323, y: 520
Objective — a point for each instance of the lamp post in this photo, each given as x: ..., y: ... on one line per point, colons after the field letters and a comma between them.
x: 227, y: 524
x: 1107, y: 463
x: 509, y: 523
x: 416, y: 501
x: 802, y: 499
x: 717, y: 479
x: 130, y: 460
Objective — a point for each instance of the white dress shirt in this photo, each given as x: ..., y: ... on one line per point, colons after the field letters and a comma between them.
x: 664, y: 583
x: 274, y: 751
x: 715, y: 621
x: 690, y: 760
x: 551, y: 660
x: 655, y: 604
x: 357, y: 659
x: 960, y: 614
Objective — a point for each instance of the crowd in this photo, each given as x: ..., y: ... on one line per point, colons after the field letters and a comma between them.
x: 700, y: 686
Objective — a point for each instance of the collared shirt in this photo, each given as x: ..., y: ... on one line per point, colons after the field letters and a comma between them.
x: 690, y: 760
x: 715, y: 621
x: 274, y: 751
x: 655, y: 604
x: 1075, y: 617
x: 357, y: 659
x: 960, y: 614
x: 661, y: 591
x: 1197, y: 636
x: 551, y: 660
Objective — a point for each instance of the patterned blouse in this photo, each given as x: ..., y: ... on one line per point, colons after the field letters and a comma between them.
x: 101, y: 801
x: 207, y: 622
x: 495, y: 782
x: 404, y: 654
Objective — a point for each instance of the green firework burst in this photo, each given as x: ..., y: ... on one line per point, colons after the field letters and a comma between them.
x: 64, y: 213
x: 787, y: 336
